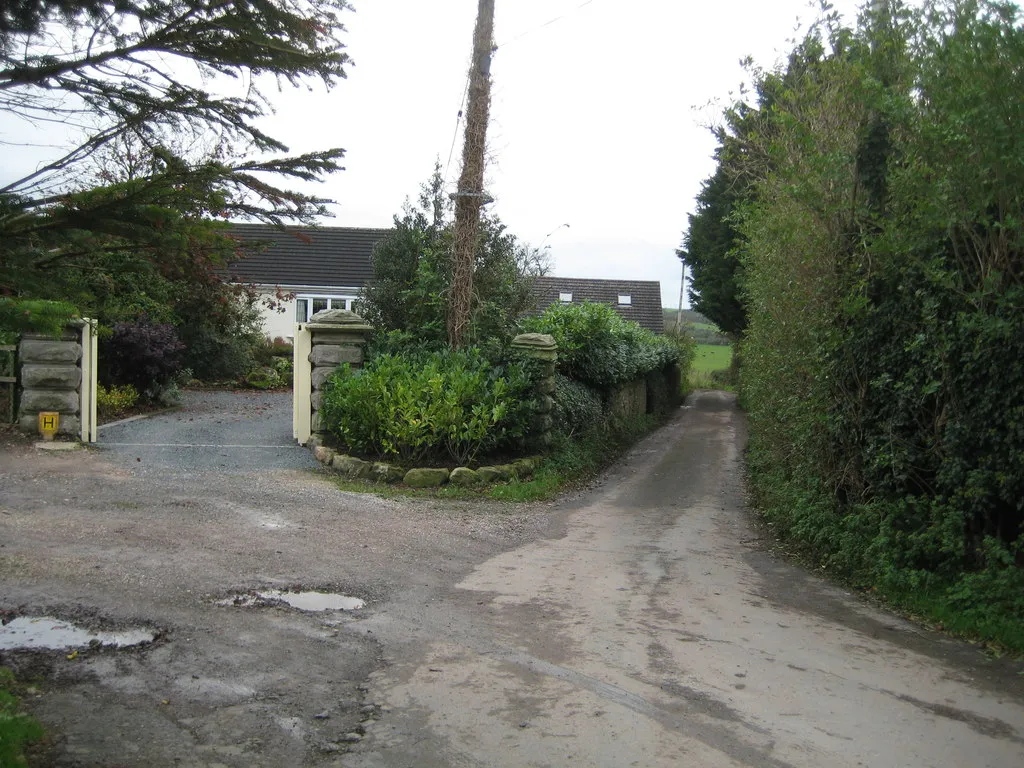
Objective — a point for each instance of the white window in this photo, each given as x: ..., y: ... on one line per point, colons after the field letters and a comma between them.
x: 306, y: 306
x: 625, y: 300
x: 565, y: 298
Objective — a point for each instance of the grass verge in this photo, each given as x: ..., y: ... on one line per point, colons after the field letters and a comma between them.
x: 17, y: 729
x: 996, y: 632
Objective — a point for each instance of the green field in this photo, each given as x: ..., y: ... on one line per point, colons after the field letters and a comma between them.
x: 711, y: 358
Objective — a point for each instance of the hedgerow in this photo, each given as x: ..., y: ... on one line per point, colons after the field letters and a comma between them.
x: 598, y: 347
x: 881, y: 246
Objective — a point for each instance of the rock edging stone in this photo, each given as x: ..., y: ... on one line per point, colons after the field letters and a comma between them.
x: 353, y: 468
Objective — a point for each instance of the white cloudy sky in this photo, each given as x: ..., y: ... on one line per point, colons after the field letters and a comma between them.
x: 599, y: 115
x: 598, y: 118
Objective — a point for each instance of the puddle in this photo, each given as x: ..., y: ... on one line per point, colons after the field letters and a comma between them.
x: 48, y: 633
x: 303, y: 601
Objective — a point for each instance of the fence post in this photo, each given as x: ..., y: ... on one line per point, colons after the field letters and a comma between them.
x: 542, y: 348
x: 335, y: 336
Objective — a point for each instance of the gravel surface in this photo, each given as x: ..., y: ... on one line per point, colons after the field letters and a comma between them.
x: 212, y: 431
x: 167, y: 518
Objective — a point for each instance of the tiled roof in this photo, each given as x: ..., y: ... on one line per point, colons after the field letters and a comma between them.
x: 324, y: 256
x: 644, y: 295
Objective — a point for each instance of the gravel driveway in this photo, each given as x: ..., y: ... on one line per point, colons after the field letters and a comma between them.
x: 212, y: 431
x: 642, y: 622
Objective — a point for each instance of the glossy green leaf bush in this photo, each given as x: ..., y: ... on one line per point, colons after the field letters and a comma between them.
x: 599, y: 348
x: 427, y: 406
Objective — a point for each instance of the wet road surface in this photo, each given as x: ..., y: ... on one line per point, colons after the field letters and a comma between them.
x: 657, y: 632
x: 643, y: 622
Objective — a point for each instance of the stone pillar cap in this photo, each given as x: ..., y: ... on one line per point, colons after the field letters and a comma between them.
x: 338, y: 319
x: 543, y: 341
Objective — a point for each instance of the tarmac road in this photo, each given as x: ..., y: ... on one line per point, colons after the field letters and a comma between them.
x: 643, y: 622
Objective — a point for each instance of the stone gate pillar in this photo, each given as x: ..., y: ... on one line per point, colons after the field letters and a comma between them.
x: 51, y: 379
x: 330, y: 338
x: 540, y: 347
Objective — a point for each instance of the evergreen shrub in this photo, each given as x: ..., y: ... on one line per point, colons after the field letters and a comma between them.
x: 427, y: 406
x: 148, y: 356
x: 578, y: 408
x: 598, y: 347
x: 115, y: 400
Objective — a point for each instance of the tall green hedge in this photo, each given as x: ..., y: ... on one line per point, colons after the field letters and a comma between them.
x: 883, y: 268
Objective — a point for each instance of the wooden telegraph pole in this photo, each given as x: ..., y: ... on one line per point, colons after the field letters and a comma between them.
x: 470, y: 192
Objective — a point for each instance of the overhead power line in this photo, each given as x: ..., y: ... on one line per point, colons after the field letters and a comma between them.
x: 455, y: 135
x: 529, y: 32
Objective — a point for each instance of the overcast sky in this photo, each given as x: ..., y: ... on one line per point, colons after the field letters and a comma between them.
x: 599, y: 116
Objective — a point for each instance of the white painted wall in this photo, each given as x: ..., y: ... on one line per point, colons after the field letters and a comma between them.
x: 278, y: 323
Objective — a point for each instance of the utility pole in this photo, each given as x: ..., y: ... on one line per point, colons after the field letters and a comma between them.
x: 682, y: 286
x: 470, y: 192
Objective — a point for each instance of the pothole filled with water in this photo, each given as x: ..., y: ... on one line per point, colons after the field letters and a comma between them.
x: 46, y: 633
x: 302, y: 601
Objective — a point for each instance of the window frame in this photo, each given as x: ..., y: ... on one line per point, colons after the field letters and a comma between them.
x: 334, y: 301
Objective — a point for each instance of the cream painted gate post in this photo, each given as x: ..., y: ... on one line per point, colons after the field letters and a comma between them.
x: 330, y: 338
x: 302, y: 387
x: 90, y: 357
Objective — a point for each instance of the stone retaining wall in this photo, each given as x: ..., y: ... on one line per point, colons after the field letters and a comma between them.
x: 656, y: 393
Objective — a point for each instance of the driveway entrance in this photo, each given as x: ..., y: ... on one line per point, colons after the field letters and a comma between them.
x: 221, y: 431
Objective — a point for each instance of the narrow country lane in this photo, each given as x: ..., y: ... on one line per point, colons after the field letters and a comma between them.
x: 644, y: 622
x: 658, y: 631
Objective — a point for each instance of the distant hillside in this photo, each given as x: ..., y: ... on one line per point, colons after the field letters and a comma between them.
x: 702, y: 329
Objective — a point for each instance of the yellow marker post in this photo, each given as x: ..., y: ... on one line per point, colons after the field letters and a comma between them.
x: 49, y: 422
